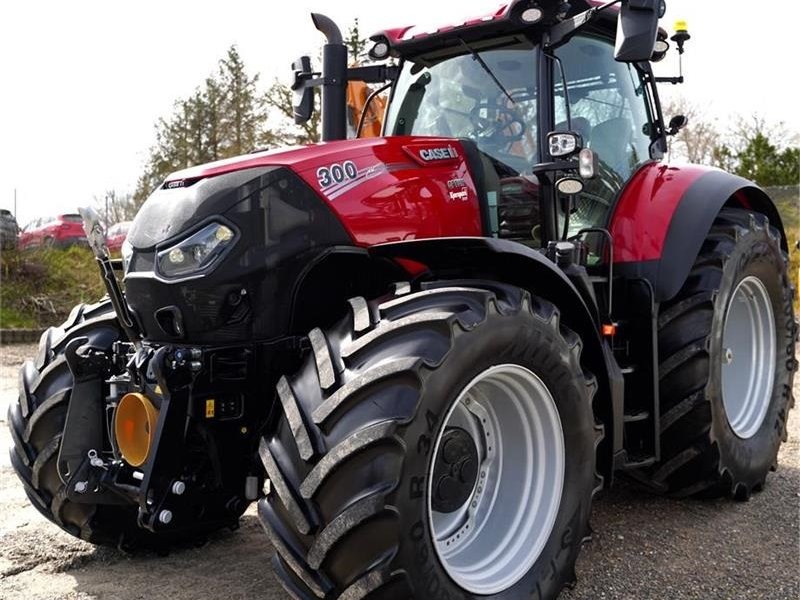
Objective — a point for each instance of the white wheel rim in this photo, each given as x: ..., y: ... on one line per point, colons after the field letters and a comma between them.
x: 490, y: 542
x: 748, y: 357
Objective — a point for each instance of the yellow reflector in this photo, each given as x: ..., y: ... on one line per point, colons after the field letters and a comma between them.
x: 210, y: 408
x: 134, y: 427
x: 681, y: 26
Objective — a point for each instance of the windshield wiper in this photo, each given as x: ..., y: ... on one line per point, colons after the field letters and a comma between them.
x: 482, y: 63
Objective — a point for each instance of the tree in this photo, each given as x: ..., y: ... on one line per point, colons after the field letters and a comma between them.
x: 286, y: 132
x: 697, y: 141
x: 761, y: 152
x: 114, y: 207
x: 279, y: 99
x: 224, y: 117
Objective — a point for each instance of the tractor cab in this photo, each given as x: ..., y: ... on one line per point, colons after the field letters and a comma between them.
x: 534, y: 90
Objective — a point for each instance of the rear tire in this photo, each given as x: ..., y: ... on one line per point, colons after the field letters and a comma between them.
x: 723, y: 420
x: 351, y: 453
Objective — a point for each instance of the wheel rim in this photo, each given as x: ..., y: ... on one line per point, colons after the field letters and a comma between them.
x: 748, y: 357
x: 489, y: 541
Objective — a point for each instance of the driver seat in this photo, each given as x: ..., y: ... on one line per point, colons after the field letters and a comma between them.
x: 611, y: 141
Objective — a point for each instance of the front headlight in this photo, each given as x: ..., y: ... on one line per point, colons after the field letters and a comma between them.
x: 197, y: 252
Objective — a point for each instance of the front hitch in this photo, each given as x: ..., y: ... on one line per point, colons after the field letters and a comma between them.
x: 97, y: 242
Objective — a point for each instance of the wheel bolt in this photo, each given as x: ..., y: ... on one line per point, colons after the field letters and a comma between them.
x: 727, y: 356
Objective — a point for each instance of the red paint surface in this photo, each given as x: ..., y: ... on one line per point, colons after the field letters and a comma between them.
x: 642, y: 216
x: 397, y: 199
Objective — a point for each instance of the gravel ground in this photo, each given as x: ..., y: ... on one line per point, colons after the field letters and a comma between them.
x: 643, y: 547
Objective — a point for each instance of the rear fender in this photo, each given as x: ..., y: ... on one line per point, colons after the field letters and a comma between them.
x: 664, y: 215
x: 512, y: 263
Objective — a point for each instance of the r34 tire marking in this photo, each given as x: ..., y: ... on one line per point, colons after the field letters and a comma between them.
x: 336, y: 173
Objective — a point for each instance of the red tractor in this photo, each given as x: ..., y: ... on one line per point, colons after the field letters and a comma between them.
x: 424, y: 353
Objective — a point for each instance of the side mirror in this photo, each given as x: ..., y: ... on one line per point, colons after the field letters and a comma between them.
x: 637, y: 28
x: 677, y: 123
x: 94, y: 231
x: 303, y: 101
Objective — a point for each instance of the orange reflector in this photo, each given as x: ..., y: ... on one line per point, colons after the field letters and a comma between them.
x: 134, y: 426
x: 608, y: 330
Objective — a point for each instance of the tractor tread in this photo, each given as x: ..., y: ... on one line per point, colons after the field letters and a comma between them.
x: 343, y: 524
x: 57, y: 399
x: 278, y: 481
x: 295, y: 420
x: 694, y: 464
x: 313, y: 510
x: 342, y: 397
x: 345, y: 450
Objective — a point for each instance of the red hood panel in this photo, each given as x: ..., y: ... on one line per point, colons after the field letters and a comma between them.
x: 382, y: 189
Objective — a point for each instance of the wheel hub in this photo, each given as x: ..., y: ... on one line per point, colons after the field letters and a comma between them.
x: 749, y: 350
x: 497, y: 477
x: 455, y: 471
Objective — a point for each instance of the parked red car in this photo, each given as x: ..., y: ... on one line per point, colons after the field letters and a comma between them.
x: 60, y: 231
x: 116, y: 234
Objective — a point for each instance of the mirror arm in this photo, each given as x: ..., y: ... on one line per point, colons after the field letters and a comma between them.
x: 374, y: 73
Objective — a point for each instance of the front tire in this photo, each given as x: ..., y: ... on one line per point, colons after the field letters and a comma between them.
x: 726, y: 344
x: 366, y: 494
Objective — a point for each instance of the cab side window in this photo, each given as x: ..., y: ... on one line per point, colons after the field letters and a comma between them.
x: 608, y: 107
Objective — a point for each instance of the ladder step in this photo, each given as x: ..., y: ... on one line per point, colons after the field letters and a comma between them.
x: 627, y: 369
x: 636, y: 417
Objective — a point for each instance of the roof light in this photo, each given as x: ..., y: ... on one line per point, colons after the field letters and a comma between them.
x: 531, y: 15
x: 380, y: 50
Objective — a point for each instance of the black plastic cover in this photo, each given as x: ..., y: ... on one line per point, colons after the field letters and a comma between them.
x: 281, y: 225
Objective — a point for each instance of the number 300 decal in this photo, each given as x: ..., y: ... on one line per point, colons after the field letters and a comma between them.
x: 336, y: 173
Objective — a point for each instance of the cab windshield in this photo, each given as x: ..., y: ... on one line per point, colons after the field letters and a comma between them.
x: 490, y: 100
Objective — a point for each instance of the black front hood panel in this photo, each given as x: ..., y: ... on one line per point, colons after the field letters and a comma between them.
x: 281, y: 224
x: 168, y: 212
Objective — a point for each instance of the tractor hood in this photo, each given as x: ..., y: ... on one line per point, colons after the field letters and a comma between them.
x: 213, y: 254
x: 349, y: 178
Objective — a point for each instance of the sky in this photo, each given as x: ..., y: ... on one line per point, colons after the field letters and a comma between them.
x: 83, y: 82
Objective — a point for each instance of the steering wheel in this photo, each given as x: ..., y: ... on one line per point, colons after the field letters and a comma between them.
x: 507, y: 127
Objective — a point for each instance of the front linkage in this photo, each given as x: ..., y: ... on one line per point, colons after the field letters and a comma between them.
x: 148, y: 462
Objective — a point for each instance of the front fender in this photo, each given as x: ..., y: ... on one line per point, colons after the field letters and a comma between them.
x: 513, y: 263
x: 665, y: 213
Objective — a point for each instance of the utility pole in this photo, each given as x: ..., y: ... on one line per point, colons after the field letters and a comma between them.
x: 15, y: 204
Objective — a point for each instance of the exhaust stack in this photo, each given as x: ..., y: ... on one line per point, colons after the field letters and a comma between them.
x: 334, y: 75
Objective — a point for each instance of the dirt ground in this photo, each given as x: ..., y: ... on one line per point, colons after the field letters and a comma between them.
x: 643, y: 547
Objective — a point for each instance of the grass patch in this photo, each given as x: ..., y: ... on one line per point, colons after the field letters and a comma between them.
x: 38, y: 288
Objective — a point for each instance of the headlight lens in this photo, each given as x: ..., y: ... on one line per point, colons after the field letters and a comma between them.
x: 197, y: 252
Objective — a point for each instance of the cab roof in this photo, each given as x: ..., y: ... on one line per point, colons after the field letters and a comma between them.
x: 505, y: 21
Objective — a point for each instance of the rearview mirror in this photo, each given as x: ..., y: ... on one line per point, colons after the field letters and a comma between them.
x: 677, y: 123
x: 637, y: 28
x: 303, y: 101
x: 94, y: 231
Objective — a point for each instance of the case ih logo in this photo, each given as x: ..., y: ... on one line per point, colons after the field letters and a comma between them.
x: 431, y: 154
